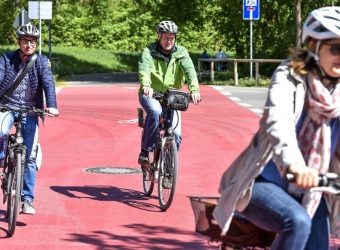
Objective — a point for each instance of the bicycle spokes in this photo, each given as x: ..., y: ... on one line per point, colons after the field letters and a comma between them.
x: 148, y: 175
x: 168, y: 175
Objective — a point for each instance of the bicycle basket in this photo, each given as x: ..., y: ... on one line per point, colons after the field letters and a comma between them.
x: 177, y: 100
x: 241, y: 233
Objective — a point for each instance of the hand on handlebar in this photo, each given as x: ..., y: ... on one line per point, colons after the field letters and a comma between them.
x: 196, y: 97
x: 52, y: 111
x: 148, y: 91
x: 304, y: 177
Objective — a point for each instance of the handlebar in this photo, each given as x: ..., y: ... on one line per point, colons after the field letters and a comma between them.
x: 328, y: 183
x: 324, y: 179
x: 33, y: 110
x: 162, y: 95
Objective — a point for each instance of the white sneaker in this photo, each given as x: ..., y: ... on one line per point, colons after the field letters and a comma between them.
x: 27, y: 208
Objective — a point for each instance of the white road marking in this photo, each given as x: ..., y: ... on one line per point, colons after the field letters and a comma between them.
x: 257, y: 111
x: 224, y: 92
x: 235, y: 99
x: 244, y: 104
x: 130, y: 87
x: 128, y: 121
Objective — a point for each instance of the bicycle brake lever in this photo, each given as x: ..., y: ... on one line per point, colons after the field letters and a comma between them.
x: 328, y: 190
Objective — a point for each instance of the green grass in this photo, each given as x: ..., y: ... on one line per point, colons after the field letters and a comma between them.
x: 73, y: 61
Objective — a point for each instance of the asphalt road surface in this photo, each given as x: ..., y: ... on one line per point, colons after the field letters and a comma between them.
x: 89, y: 188
x: 84, y: 201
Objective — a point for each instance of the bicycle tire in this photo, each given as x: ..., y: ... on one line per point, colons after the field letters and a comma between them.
x: 169, y: 168
x: 14, y: 198
x: 5, y: 185
x: 149, y: 176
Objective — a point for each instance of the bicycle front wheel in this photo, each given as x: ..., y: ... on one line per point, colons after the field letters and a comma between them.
x: 149, y: 176
x: 14, y: 196
x: 8, y: 173
x: 168, y: 174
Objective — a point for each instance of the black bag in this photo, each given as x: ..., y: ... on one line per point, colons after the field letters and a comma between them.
x: 178, y: 100
x: 241, y: 233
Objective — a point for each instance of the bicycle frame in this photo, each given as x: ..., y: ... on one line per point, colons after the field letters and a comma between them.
x: 13, y: 171
x: 164, y: 159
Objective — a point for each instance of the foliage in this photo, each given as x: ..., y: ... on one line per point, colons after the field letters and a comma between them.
x: 129, y: 25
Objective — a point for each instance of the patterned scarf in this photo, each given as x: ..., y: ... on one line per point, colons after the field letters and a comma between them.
x: 314, y: 137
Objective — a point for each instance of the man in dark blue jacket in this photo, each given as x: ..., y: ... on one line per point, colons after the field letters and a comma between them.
x: 29, y: 93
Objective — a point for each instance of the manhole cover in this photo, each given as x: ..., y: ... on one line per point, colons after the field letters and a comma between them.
x: 112, y: 170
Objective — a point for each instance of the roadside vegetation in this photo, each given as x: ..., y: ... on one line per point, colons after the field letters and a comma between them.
x: 97, y: 36
x: 66, y: 61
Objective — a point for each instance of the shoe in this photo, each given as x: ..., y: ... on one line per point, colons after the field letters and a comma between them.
x: 166, y: 183
x: 143, y: 158
x: 27, y: 207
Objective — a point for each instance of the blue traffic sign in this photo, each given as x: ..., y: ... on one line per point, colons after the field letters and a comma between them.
x: 251, y: 9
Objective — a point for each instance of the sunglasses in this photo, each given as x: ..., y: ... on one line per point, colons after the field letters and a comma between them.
x: 334, y: 48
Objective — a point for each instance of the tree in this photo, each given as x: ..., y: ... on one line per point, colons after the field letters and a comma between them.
x: 129, y: 25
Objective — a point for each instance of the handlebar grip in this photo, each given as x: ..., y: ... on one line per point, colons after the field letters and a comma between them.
x: 323, y: 179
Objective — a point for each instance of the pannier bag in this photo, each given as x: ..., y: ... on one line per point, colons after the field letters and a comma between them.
x: 241, y: 233
x: 178, y: 100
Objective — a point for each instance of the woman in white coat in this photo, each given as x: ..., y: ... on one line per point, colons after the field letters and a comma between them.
x: 299, y: 133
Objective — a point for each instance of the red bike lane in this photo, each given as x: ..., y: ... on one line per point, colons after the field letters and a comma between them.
x: 97, y: 129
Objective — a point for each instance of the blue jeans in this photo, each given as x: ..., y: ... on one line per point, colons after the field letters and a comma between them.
x: 30, y: 135
x: 273, y: 209
x: 154, y: 111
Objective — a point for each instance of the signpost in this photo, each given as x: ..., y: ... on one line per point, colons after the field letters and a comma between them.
x: 21, y: 19
x: 251, y: 11
x: 40, y: 10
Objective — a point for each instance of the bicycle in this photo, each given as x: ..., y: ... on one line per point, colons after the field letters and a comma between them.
x: 13, y: 166
x: 243, y: 234
x: 163, y: 167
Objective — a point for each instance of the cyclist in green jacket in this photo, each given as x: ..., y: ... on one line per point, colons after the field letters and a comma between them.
x: 163, y: 65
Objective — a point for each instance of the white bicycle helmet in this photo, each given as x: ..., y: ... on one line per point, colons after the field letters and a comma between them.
x: 28, y: 30
x: 322, y: 24
x: 167, y: 27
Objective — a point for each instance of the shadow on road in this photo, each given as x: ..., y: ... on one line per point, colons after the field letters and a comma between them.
x: 129, y: 197
x: 3, y: 229
x: 152, y: 238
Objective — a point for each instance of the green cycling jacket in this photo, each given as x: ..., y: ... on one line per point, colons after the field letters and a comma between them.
x: 160, y: 75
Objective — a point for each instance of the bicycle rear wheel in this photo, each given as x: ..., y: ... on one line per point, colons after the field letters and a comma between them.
x: 149, y: 176
x: 14, y: 196
x: 168, y: 174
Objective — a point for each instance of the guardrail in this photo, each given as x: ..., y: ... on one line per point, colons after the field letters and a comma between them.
x: 212, y: 62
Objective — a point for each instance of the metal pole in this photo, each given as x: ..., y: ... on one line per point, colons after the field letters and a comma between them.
x: 21, y: 21
x: 251, y: 44
x: 39, y: 30
x: 50, y: 40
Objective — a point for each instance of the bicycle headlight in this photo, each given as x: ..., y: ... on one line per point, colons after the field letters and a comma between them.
x: 19, y: 139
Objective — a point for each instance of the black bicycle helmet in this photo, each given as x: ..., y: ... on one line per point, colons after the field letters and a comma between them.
x: 28, y: 30
x: 167, y: 27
